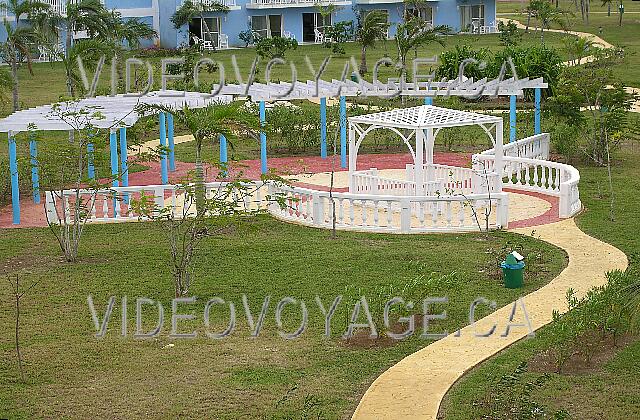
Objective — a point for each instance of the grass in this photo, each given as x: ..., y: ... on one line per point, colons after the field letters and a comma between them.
x: 627, y: 35
x: 609, y: 390
x: 70, y: 373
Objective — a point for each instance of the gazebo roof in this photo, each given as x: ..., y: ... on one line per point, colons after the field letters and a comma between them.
x: 115, y: 111
x: 423, y: 117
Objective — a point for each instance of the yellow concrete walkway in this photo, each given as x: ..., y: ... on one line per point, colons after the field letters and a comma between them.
x: 414, y: 387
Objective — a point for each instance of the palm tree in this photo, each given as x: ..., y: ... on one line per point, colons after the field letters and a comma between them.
x: 89, y: 15
x: 609, y: 3
x: 196, y: 9
x: 415, y: 33
x: 372, y: 28
x: 126, y: 33
x: 206, y: 125
x: 20, y: 38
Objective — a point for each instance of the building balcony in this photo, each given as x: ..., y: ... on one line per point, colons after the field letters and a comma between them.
x: 229, y: 4
x: 279, y: 4
x: 378, y: 1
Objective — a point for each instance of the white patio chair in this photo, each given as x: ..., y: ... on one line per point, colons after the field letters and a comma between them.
x: 223, y: 41
x: 289, y: 35
x: 319, y: 36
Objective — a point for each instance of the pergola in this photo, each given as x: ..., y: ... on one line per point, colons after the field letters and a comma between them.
x: 113, y: 113
x: 418, y: 128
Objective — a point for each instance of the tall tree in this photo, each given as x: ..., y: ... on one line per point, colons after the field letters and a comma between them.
x: 371, y: 28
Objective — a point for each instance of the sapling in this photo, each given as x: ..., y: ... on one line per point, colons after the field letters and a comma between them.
x: 18, y: 294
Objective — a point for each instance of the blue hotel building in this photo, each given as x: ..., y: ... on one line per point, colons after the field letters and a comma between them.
x: 299, y: 19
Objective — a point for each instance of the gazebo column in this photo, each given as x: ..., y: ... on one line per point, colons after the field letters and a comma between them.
x: 353, y: 157
x: 428, y: 145
x: 538, y: 97
x: 163, y: 143
x: 323, y: 128
x: 170, y: 136
x: 343, y: 131
x: 428, y: 100
x: 35, y: 178
x: 512, y: 118
x: 13, y: 170
x: 263, y: 139
x: 498, y: 161
x: 419, y: 162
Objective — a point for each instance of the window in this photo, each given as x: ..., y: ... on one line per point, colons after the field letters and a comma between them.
x: 207, y: 29
x: 471, y: 18
x: 424, y: 12
x: 311, y: 22
x: 267, y: 26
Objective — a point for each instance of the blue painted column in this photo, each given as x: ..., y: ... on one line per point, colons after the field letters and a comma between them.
x: 172, y: 155
x: 91, y: 169
x: 224, y: 158
x: 428, y: 100
x: 343, y: 131
x: 113, y: 150
x: 263, y: 140
x: 512, y: 118
x: 538, y: 97
x: 163, y: 143
x: 124, y: 164
x: 15, y: 188
x: 35, y: 177
x: 323, y: 128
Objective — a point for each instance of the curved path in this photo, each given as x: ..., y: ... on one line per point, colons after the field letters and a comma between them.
x: 414, y: 387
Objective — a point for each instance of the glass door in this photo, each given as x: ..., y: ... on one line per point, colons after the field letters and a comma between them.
x: 211, y: 30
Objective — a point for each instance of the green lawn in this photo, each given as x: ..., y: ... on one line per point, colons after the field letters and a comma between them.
x: 70, y: 373
x: 609, y: 388
x: 627, y: 35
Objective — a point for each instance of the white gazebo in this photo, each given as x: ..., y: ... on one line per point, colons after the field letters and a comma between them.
x: 418, y: 128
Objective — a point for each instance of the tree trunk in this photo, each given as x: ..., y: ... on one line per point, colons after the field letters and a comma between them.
x: 67, y: 52
x: 363, y: 61
x: 15, y: 92
x: 18, y: 333
x: 620, y: 12
x: 528, y: 22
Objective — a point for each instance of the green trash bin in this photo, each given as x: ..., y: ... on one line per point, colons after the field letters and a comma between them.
x: 513, y: 272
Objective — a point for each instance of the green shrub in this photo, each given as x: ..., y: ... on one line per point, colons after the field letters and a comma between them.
x: 275, y: 47
x: 450, y: 62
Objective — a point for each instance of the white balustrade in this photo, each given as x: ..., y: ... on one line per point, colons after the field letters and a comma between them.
x: 534, y: 147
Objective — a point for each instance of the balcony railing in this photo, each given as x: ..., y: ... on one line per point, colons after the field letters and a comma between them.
x: 213, y: 3
x: 310, y: 3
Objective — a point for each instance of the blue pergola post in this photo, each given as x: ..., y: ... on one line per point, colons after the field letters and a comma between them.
x: 224, y: 158
x: 263, y: 139
x: 91, y: 169
x: 35, y: 177
x: 538, y: 97
x: 172, y: 155
x: 428, y: 100
x: 124, y: 165
x: 512, y: 118
x: 15, y: 189
x: 163, y: 143
x: 113, y: 151
x: 343, y: 131
x: 323, y: 128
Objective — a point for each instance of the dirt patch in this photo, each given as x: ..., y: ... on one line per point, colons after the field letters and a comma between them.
x: 362, y: 340
x: 602, y: 352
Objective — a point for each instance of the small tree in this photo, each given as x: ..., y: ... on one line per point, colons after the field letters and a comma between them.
x: 63, y: 175
x: 207, y: 125
x: 18, y: 293
x: 370, y: 28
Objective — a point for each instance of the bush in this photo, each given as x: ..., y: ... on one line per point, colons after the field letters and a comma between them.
x: 275, y: 47
x: 450, y: 62
x: 564, y: 138
x: 339, y: 33
x: 247, y: 37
